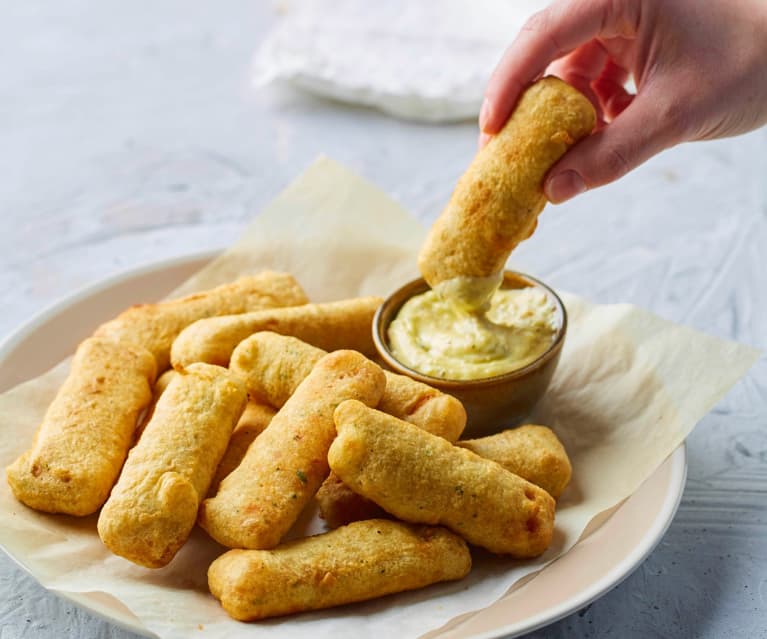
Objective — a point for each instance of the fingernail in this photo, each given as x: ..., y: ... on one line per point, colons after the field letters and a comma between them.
x: 484, y: 114
x: 563, y: 186
x: 484, y: 138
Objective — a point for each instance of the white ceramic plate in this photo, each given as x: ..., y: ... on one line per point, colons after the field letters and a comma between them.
x: 601, y: 560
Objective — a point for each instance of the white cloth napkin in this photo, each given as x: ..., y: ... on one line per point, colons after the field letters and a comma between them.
x: 415, y: 59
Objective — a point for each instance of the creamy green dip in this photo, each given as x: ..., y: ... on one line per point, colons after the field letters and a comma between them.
x: 471, y: 293
x: 434, y: 336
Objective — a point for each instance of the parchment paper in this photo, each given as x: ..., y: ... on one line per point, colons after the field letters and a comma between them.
x: 629, y: 388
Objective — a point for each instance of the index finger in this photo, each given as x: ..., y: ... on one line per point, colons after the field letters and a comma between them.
x: 548, y: 35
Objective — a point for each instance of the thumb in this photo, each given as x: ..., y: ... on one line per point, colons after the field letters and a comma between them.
x: 643, y: 129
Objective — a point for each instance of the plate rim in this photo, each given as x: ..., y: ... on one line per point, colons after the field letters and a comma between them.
x: 623, y: 569
x: 126, y: 620
x: 9, y: 341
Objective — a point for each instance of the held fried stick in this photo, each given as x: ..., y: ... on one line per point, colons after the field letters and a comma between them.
x: 361, y: 561
x: 332, y: 326
x: 496, y: 203
x: 153, y: 506
x: 421, y: 478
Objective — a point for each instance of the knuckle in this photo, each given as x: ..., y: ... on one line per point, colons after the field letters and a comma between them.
x: 541, y: 26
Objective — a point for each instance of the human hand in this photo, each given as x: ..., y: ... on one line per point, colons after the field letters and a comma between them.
x: 700, y: 68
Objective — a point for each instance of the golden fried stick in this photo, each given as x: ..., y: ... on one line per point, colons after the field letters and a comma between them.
x: 532, y: 452
x: 159, y: 388
x: 421, y: 478
x: 255, y: 418
x: 162, y: 383
x: 153, y: 506
x: 421, y: 405
x: 273, y: 365
x: 282, y: 469
x: 332, y: 326
x: 434, y: 411
x: 155, y: 326
x: 361, y: 561
x: 496, y: 203
x: 340, y: 505
x: 82, y: 442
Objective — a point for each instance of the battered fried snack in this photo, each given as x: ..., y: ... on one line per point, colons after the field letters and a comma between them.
x: 332, y: 326
x: 496, y: 203
x: 155, y: 326
x: 153, y: 506
x: 283, y: 468
x: 428, y: 408
x: 421, y: 405
x: 84, y: 437
x: 273, y: 365
x: 421, y: 478
x: 255, y: 418
x: 340, y: 505
x: 162, y: 383
x: 532, y: 452
x: 361, y: 561
x: 159, y: 388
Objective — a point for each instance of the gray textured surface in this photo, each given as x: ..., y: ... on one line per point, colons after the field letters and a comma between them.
x: 128, y: 132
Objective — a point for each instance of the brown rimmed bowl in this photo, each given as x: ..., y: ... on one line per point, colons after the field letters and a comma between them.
x: 492, y: 403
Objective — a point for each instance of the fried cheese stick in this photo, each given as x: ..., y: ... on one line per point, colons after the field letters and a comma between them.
x: 81, y: 445
x: 258, y: 502
x: 340, y: 505
x: 533, y: 452
x: 255, y: 418
x: 332, y: 326
x: 361, y: 561
x: 153, y: 506
x: 162, y: 383
x: 155, y: 326
x: 496, y: 203
x: 157, y: 390
x: 421, y: 478
x: 273, y: 365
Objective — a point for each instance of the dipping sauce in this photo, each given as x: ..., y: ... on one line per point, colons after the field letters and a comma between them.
x: 473, y: 294
x: 434, y: 336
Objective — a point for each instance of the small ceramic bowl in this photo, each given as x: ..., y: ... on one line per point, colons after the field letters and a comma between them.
x: 492, y: 403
